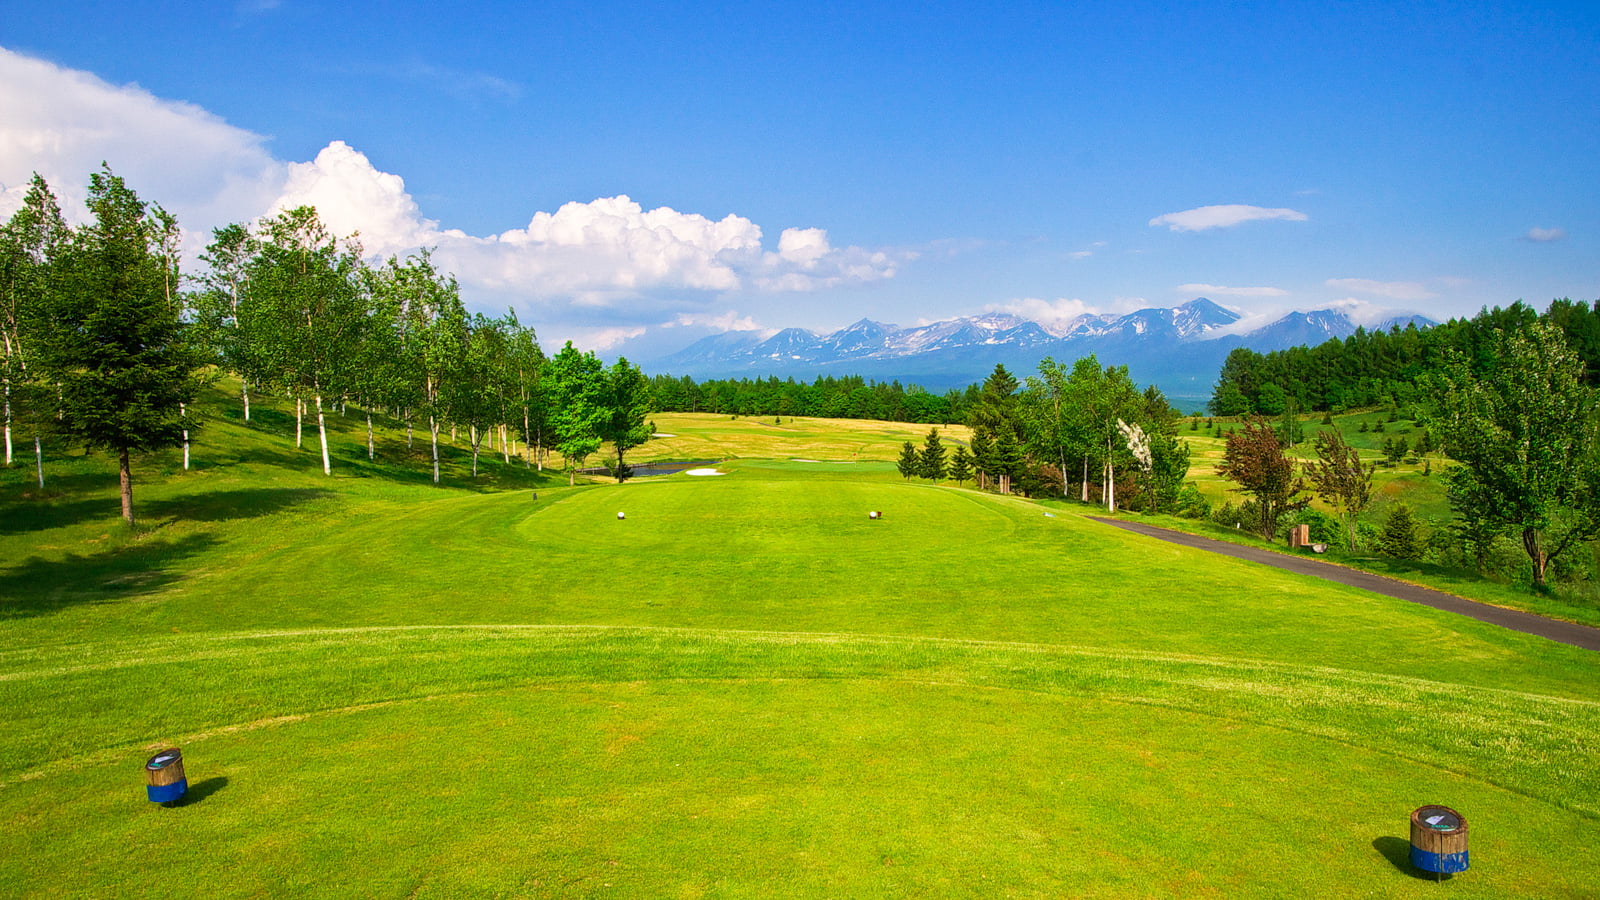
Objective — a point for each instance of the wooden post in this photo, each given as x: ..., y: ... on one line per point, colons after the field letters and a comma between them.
x: 164, y: 778
x: 1438, y: 840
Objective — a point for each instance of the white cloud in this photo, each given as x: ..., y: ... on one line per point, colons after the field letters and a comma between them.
x: 62, y: 123
x: 606, y: 252
x: 1224, y: 290
x: 728, y: 321
x: 605, y: 338
x: 1545, y: 235
x: 351, y: 196
x: 1052, y: 314
x: 1394, y: 290
x: 1204, y: 217
x: 1363, y: 312
x: 644, y: 264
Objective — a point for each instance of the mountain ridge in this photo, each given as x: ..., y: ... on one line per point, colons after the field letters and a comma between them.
x: 1179, y: 349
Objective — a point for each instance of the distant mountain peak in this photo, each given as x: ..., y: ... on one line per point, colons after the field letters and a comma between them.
x: 1179, y: 348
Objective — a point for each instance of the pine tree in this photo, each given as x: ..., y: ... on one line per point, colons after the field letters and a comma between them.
x: 908, y: 462
x: 931, y: 460
x: 1399, y: 537
x: 960, y: 464
x: 115, y: 341
x: 982, y: 459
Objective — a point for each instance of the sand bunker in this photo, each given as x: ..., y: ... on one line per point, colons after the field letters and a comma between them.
x: 661, y: 434
x: 704, y: 472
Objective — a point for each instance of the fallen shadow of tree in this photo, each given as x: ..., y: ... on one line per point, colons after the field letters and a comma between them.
x: 220, y: 506
x: 204, y: 506
x: 38, y: 586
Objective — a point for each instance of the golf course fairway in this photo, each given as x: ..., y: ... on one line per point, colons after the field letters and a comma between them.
x: 748, y: 688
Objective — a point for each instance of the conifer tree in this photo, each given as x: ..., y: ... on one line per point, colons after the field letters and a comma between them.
x: 930, y: 462
x: 114, y: 339
x: 960, y: 464
x: 908, y: 463
x: 1399, y: 538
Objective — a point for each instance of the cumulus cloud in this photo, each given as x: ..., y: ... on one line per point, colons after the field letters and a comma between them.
x: 641, y: 265
x: 353, y: 197
x: 1225, y: 216
x: 601, y: 253
x: 1394, y: 290
x: 1224, y: 290
x: 62, y: 123
x: 1545, y: 235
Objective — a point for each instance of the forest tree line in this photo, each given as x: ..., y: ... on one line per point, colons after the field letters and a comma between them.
x: 828, y: 397
x: 1378, y: 368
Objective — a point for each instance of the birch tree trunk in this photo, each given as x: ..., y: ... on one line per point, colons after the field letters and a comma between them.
x: 244, y: 391
x: 1085, y: 497
x: 370, y: 454
x: 183, y: 412
x: 299, y: 417
x: 38, y: 458
x: 433, y: 426
x: 322, y: 431
x: 8, y: 424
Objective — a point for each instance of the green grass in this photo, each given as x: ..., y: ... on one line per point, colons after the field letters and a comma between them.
x: 746, y: 688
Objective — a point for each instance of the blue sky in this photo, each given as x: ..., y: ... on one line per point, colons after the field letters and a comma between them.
x: 809, y: 164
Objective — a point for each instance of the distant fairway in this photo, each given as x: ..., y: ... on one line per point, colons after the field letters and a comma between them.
x: 748, y: 688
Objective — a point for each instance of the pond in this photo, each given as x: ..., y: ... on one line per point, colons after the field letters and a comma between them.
x: 645, y: 470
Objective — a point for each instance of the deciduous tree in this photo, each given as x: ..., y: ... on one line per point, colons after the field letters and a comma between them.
x: 1340, y: 477
x: 1526, y: 429
x: 29, y: 244
x: 1254, y: 460
x: 579, y: 410
x: 628, y: 404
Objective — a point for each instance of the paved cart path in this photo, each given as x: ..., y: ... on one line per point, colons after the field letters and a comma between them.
x: 1517, y: 620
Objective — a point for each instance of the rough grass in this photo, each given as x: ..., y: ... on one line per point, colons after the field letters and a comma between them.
x: 746, y: 688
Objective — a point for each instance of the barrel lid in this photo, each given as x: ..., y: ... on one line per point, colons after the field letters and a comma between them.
x: 164, y: 758
x: 1439, y: 818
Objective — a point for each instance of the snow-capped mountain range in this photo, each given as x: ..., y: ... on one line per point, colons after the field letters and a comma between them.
x: 1180, y: 349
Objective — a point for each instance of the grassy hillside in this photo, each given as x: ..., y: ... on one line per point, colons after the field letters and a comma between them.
x: 744, y: 688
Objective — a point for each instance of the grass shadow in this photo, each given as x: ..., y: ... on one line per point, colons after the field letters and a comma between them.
x: 221, y: 506
x: 1397, y: 851
x: 39, y: 586
x: 209, y: 506
x: 199, y: 791
x: 43, y: 515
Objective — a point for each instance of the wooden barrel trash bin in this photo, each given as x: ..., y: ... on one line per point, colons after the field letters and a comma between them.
x: 163, y: 776
x: 1439, y: 840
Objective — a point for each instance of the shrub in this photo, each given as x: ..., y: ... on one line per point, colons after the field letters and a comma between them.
x: 1192, y: 504
x: 1401, y: 537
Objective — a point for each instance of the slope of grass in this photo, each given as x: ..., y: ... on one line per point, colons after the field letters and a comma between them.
x: 745, y: 688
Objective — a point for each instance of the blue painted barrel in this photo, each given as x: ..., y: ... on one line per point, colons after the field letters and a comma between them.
x: 1439, y: 840
x: 163, y: 776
